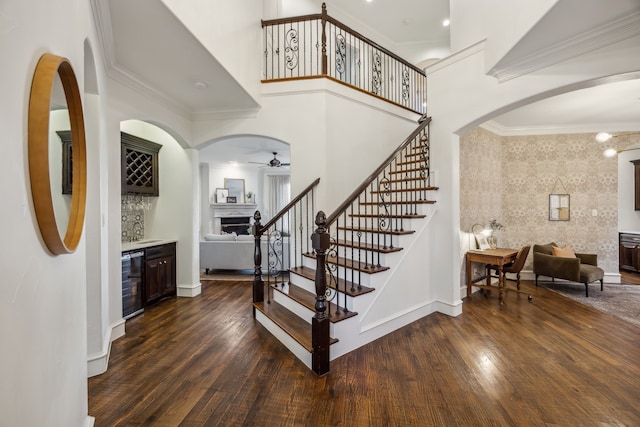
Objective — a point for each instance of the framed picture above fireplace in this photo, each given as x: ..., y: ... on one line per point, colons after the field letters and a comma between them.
x: 236, y: 189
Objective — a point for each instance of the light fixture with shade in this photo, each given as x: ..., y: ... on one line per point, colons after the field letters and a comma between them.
x: 605, y: 136
x: 611, y: 152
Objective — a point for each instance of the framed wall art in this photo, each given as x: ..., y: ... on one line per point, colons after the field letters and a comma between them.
x: 221, y: 195
x: 559, y: 207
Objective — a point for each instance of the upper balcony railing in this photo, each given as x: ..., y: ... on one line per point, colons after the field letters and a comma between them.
x: 315, y: 46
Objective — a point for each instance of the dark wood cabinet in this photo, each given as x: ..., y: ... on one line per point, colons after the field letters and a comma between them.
x: 139, y: 165
x: 159, y: 272
x: 629, y: 259
x: 636, y: 184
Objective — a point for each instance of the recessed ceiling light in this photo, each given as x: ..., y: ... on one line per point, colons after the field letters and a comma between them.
x: 369, y: 1
x: 446, y: 22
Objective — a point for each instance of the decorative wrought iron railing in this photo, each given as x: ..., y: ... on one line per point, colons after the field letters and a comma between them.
x: 317, y: 45
x: 281, y: 243
x: 349, y: 243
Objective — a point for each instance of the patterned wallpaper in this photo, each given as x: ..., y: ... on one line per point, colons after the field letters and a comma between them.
x: 510, y: 179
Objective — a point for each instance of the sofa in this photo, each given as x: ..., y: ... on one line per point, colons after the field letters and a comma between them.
x: 235, y: 252
x: 581, y: 268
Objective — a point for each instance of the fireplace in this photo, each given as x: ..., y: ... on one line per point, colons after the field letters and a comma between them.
x: 235, y: 224
x: 232, y: 217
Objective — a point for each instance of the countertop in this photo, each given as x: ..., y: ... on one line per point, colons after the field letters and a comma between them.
x: 629, y: 232
x: 145, y: 243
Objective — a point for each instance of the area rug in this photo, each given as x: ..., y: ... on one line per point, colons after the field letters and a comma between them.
x: 622, y: 301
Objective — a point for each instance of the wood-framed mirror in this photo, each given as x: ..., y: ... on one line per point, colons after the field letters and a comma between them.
x: 236, y: 189
x: 54, y: 223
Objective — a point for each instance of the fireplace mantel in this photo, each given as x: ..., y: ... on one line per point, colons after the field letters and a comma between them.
x: 224, y: 210
x: 230, y: 210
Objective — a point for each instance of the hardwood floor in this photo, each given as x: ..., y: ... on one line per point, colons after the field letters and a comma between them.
x: 205, y: 362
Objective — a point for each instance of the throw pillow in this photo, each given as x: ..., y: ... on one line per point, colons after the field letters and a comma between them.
x: 565, y: 252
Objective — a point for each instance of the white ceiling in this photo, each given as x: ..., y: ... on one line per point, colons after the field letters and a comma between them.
x: 149, y: 50
x: 240, y: 150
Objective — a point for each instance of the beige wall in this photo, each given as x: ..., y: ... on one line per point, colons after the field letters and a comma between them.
x: 510, y: 178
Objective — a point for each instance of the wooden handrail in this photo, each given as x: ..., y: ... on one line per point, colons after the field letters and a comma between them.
x: 279, y: 21
x: 295, y: 200
x: 374, y: 44
x: 331, y: 218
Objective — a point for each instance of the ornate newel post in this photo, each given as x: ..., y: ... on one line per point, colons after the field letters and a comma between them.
x: 258, y: 285
x: 320, y: 322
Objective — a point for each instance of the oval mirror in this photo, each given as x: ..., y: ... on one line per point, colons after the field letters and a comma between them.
x: 57, y: 216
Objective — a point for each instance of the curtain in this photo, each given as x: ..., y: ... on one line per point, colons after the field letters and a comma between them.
x: 279, y: 196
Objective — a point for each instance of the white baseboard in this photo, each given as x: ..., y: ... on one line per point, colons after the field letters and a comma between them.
x: 97, y: 363
x: 90, y: 421
x: 189, y: 291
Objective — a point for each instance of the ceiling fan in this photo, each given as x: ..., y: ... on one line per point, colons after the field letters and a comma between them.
x: 273, y: 163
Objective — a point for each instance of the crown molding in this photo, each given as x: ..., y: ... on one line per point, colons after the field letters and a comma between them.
x: 457, y: 56
x: 202, y: 116
x: 501, y: 130
x: 605, y: 35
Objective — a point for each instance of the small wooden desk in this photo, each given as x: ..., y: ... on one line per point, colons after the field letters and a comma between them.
x: 497, y: 257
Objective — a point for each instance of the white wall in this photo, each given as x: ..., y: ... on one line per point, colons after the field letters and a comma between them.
x: 316, y: 117
x: 43, y: 367
x: 502, y: 23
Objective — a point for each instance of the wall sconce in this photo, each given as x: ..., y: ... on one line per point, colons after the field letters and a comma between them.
x: 611, y: 152
x: 605, y: 136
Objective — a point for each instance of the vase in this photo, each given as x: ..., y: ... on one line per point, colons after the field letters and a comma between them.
x: 493, y: 241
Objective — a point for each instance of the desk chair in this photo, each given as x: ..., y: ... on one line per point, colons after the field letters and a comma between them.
x: 513, y: 267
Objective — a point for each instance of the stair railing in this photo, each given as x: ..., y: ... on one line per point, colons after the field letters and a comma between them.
x: 364, y: 225
x: 281, y: 243
x: 317, y: 46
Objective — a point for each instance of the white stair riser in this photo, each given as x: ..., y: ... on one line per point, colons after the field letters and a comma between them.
x: 299, y: 351
x: 305, y: 314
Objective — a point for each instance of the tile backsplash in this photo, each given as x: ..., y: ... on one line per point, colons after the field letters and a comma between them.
x: 132, y: 218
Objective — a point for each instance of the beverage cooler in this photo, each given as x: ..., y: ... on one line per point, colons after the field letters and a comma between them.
x: 132, y: 266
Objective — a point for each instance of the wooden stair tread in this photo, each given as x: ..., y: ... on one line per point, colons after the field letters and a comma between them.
x: 408, y: 170
x: 400, y: 202
x: 367, y: 246
x: 352, y: 264
x: 377, y: 231
x: 410, y: 178
x: 402, y: 216
x: 308, y: 300
x: 295, y: 327
x: 421, y: 154
x: 310, y: 273
x: 419, y: 162
x: 403, y: 190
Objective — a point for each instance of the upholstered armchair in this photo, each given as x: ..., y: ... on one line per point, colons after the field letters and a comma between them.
x: 581, y: 268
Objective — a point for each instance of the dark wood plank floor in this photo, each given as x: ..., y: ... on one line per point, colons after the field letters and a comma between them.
x: 205, y: 362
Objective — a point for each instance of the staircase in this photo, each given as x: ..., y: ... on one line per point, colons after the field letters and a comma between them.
x: 350, y: 263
